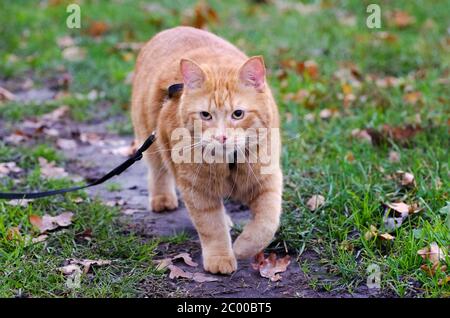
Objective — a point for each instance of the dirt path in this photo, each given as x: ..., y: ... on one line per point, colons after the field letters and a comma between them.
x: 93, y: 160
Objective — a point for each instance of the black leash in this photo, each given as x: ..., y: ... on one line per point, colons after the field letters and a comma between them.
x: 172, y: 91
x: 116, y: 171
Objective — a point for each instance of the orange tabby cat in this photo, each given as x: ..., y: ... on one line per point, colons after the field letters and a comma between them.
x: 223, y: 89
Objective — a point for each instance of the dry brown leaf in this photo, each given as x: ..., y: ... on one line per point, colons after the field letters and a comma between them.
x: 328, y: 113
x: 404, y: 209
x: 40, y: 238
x: 362, y: 134
x: 56, y: 115
x: 70, y: 269
x: 315, y: 202
x: 386, y: 236
x: 74, y: 54
x: 176, y: 272
x: 394, y: 156
x: 444, y: 281
x: 405, y: 178
x: 433, y: 253
x: 6, y: 95
x: 13, y: 233
x: 48, y: 223
x: 312, y: 68
x: 163, y: 263
x: 92, y: 139
x: 412, y: 97
x: 401, y: 19
x: 50, y: 171
x: 401, y: 134
x: 9, y: 167
x: 271, y: 266
x: 202, y: 278
x: 371, y: 233
x: 431, y: 271
x: 125, y: 151
x: 19, y: 202
x: 65, y: 41
x: 186, y: 258
x: 202, y: 15
x: 66, y: 144
x: 84, y: 265
x: 16, y: 138
x: 132, y: 46
x: 97, y: 28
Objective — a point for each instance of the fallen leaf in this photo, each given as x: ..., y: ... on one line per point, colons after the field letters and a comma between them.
x: 70, y: 269
x: 405, y: 178
x: 74, y: 54
x: 412, y: 97
x: 401, y: 134
x: 328, y: 113
x: 386, y: 236
x: 13, y: 233
x: 97, y: 28
x: 200, y: 16
x: 176, y: 272
x: 163, y: 263
x: 87, y: 263
x: 312, y: 68
x: 66, y: 144
x: 186, y: 258
x: 132, y: 46
x: 371, y: 233
x: 125, y: 151
x: 40, y: 238
x: 48, y: 223
x: 19, y: 202
x: 271, y: 266
x: 362, y: 134
x: 9, y: 167
x: 65, y: 41
x: 202, y: 278
x: 444, y: 281
x: 394, y: 156
x: 56, y: 115
x: 50, y: 171
x: 315, y: 202
x: 404, y: 209
x: 431, y: 271
x: 92, y: 139
x: 433, y: 253
x: 401, y: 19
x: 6, y: 95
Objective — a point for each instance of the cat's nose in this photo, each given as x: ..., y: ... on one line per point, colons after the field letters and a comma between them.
x: 221, y: 138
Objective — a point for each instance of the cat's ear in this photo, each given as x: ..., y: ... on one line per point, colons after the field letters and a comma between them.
x: 253, y: 73
x: 193, y: 75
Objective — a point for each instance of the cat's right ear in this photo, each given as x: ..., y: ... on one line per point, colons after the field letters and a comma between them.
x: 193, y: 75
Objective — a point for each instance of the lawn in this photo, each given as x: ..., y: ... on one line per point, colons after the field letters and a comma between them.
x: 358, y: 105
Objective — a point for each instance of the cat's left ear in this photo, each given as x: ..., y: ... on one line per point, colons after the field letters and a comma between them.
x: 253, y: 73
x: 193, y: 75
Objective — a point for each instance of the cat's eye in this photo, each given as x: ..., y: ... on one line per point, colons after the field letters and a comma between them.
x: 205, y: 116
x: 238, y: 114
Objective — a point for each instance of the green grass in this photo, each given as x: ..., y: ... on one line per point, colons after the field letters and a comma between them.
x: 314, y: 154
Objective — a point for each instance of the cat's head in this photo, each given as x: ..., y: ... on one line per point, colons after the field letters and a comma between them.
x: 227, y: 101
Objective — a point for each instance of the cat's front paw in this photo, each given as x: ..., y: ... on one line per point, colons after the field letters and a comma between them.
x: 246, y: 247
x: 163, y: 202
x: 223, y: 264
